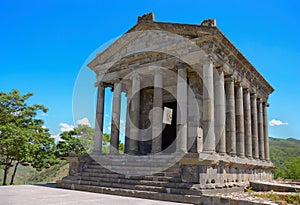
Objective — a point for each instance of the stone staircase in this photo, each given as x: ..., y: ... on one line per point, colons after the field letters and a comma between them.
x: 137, y: 176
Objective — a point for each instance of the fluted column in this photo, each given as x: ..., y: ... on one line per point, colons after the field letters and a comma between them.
x: 230, y: 117
x: 99, y: 119
x: 239, y: 116
x: 135, y: 114
x: 220, y: 111
x: 254, y: 126
x: 181, y: 142
x: 247, y: 124
x: 260, y: 130
x: 266, y: 132
x: 115, y: 123
x: 157, y: 112
x: 127, y: 123
x: 208, y: 108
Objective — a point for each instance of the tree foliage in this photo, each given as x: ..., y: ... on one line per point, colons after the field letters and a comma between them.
x: 285, y: 154
x: 77, y: 141
x: 81, y: 141
x: 24, y: 140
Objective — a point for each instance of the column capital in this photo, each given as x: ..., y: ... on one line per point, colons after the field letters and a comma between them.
x: 238, y: 83
x: 211, y: 58
x: 253, y: 95
x: 220, y: 69
x: 99, y: 83
x: 155, y: 69
x: 246, y: 90
x: 116, y: 80
x: 229, y: 78
x: 266, y: 104
x: 135, y: 75
x: 259, y: 100
x: 180, y: 66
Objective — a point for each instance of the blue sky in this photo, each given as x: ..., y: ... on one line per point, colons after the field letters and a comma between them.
x: 43, y: 45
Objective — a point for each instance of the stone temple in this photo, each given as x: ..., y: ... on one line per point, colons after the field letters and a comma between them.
x: 196, y: 116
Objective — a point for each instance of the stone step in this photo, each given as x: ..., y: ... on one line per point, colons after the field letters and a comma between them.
x: 192, y: 199
x: 123, y: 170
x: 126, y: 167
x: 142, y: 187
x: 135, y: 159
x: 140, y: 182
x: 119, y: 176
x: 138, y: 165
x: 132, y: 172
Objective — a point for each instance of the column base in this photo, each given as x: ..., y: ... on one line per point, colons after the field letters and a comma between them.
x: 96, y: 153
x: 232, y: 154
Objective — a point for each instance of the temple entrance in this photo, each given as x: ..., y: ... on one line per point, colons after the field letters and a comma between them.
x: 169, y: 132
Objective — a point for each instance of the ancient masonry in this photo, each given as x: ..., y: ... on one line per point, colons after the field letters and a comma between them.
x: 215, y: 136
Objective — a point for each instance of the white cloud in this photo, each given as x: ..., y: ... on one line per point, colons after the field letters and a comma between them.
x: 57, y: 138
x: 277, y: 123
x: 44, y: 114
x: 64, y: 127
x: 84, y: 121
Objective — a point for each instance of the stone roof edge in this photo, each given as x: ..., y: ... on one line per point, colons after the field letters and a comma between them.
x: 237, y: 53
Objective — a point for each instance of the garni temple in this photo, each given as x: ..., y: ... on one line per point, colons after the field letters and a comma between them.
x: 196, y: 116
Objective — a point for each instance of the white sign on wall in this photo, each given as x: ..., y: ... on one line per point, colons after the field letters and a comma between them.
x: 167, y: 117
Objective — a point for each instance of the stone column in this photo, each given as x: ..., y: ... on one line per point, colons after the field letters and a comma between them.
x: 208, y: 108
x: 194, y: 139
x: 135, y: 114
x: 99, y: 119
x: 266, y: 131
x: 220, y: 111
x: 127, y: 123
x: 260, y: 130
x: 157, y: 112
x: 239, y: 116
x: 254, y: 126
x: 115, y: 123
x: 230, y: 117
x: 247, y: 124
x: 181, y: 141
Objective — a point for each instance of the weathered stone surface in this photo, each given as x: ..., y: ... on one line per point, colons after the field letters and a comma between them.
x: 192, y: 70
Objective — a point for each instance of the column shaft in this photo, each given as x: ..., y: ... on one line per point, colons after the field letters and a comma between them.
x: 261, y: 130
x: 115, y: 123
x: 208, y: 108
x: 266, y: 132
x: 99, y: 119
x: 127, y: 124
x: 254, y: 126
x: 134, y: 114
x: 157, y: 112
x: 194, y: 140
x: 181, y: 142
x: 230, y: 117
x: 220, y: 111
x: 247, y: 124
x: 239, y: 116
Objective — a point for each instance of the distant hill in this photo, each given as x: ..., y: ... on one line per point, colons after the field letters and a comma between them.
x: 281, y: 150
x: 28, y: 175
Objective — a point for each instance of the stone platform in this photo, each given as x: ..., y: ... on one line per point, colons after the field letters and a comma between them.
x: 183, y: 180
x: 40, y: 194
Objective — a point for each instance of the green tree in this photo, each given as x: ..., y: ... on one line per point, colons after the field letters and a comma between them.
x: 24, y: 140
x: 77, y: 141
x: 106, y: 144
x: 81, y: 141
x: 292, y: 168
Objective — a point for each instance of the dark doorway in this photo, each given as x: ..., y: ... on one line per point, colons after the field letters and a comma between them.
x: 169, y: 133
